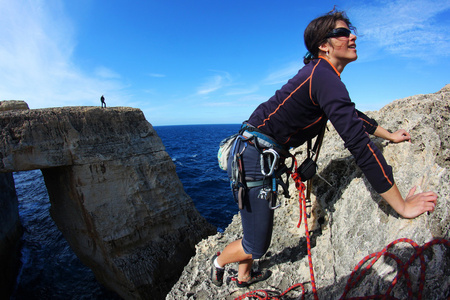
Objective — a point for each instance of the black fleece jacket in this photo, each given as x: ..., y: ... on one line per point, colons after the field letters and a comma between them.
x: 316, y: 94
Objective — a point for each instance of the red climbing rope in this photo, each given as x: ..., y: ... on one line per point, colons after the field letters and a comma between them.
x: 302, y: 203
x: 403, y: 267
x: 270, y: 295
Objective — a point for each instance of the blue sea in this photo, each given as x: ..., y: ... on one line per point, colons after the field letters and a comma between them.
x: 51, y: 270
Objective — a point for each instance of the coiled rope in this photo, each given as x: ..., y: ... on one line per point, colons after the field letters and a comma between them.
x: 403, y: 268
x: 351, y: 282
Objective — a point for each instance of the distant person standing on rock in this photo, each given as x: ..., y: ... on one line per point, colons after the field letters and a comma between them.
x: 102, y: 99
x: 297, y: 113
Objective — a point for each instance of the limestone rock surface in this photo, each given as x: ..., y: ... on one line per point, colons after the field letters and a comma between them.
x: 349, y: 220
x: 13, y: 105
x: 114, y: 192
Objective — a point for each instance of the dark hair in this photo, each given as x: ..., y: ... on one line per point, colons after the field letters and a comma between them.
x: 317, y: 30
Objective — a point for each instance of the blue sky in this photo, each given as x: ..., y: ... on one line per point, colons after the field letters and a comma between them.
x: 209, y: 62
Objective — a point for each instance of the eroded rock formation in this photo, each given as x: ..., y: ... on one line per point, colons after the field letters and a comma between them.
x: 113, y: 190
x: 350, y: 220
x: 10, y: 234
x: 13, y: 105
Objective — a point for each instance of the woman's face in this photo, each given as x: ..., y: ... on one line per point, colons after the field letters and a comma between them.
x: 341, y: 49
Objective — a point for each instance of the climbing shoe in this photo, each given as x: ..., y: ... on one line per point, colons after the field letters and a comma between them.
x: 254, y: 278
x: 216, y: 273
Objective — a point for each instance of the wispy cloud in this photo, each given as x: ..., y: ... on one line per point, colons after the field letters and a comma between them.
x: 104, y: 72
x: 242, y: 91
x: 282, y: 75
x: 36, y: 58
x: 214, y: 83
x: 407, y: 28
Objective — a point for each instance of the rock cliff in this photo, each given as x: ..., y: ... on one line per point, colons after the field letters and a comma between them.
x: 113, y: 190
x: 10, y: 234
x: 13, y: 105
x: 349, y: 220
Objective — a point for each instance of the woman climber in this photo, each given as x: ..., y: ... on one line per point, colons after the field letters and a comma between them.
x: 296, y: 113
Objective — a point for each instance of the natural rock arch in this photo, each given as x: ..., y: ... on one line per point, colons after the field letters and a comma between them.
x: 114, y: 192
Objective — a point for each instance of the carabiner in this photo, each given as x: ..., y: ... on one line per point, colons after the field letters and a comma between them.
x: 273, y: 164
x: 273, y: 201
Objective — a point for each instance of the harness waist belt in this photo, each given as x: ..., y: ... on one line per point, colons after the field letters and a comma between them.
x: 251, y: 184
x: 265, y: 141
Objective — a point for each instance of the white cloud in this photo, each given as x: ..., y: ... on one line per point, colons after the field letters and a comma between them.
x: 407, y: 28
x: 214, y: 83
x: 104, y: 72
x: 36, y: 58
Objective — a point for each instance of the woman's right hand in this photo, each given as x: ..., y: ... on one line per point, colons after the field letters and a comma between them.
x: 413, y: 205
x: 417, y: 204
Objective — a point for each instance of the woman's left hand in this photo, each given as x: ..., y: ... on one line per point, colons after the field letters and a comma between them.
x: 399, y: 136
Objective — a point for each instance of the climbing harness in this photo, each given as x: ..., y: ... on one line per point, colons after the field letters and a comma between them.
x: 272, y: 156
x: 261, y: 140
x: 272, y: 161
x: 272, y: 166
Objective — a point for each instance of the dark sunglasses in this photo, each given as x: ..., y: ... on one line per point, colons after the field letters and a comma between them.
x: 338, y: 32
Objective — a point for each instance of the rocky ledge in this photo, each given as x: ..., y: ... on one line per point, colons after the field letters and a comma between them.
x: 349, y: 220
x: 113, y: 189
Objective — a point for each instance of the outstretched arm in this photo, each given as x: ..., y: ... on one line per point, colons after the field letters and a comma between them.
x: 399, y: 136
x: 413, y: 205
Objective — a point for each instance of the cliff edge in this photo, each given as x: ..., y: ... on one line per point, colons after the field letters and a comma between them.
x: 349, y: 220
x: 113, y: 189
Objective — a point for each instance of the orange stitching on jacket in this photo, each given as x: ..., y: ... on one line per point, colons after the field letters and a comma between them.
x: 339, y: 74
x: 315, y: 122
x: 282, y: 103
x: 381, y: 167
x: 364, y: 120
x: 310, y: 82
